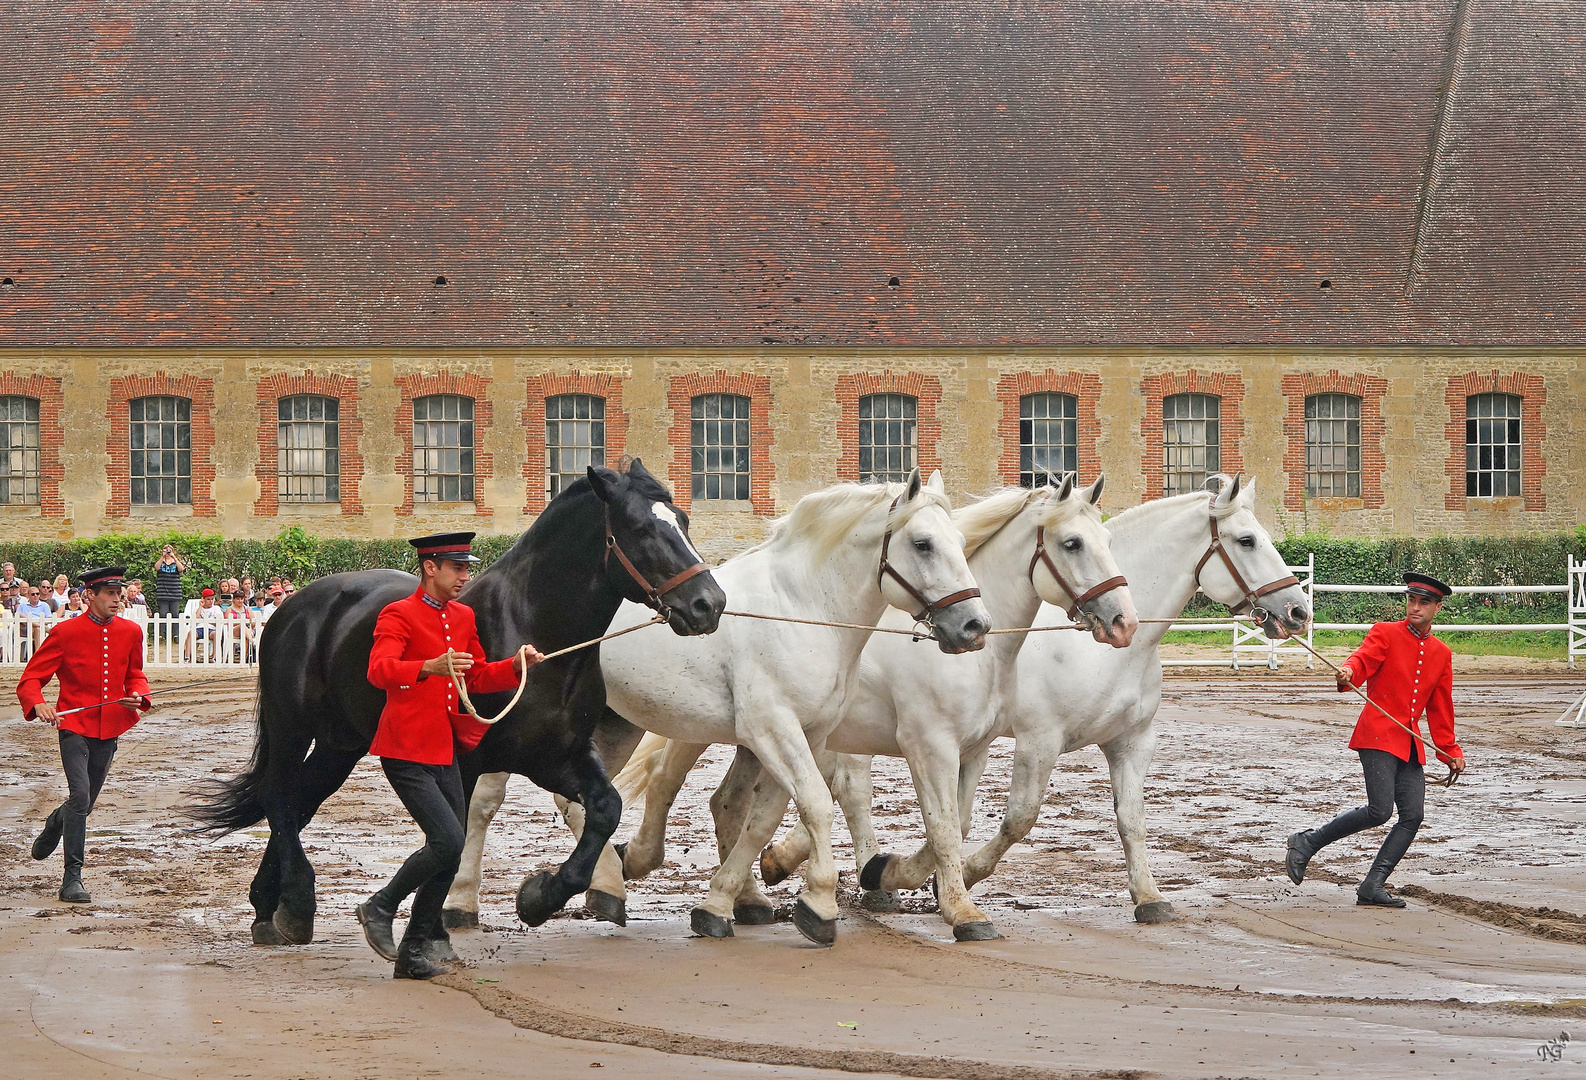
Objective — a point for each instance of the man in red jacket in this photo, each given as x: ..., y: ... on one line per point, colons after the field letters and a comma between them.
x: 417, y: 643
x: 1408, y: 672
x: 96, y: 658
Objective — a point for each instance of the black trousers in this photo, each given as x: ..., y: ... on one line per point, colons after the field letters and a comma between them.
x: 433, y: 794
x: 85, y: 761
x: 1390, y: 783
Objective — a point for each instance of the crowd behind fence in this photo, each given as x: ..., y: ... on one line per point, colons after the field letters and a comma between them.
x: 231, y: 637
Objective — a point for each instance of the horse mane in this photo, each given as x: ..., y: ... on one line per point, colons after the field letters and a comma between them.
x: 823, y: 519
x: 1133, y: 516
x: 985, y: 517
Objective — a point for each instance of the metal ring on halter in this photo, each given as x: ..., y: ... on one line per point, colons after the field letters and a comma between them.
x: 652, y: 593
x: 928, y: 608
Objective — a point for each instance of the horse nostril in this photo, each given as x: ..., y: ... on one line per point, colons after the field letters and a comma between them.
x: 975, y: 627
x: 701, y: 606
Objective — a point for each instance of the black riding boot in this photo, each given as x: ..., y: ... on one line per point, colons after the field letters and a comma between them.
x: 376, y: 923
x: 1373, y: 891
x: 75, y: 831
x: 49, y: 837
x: 412, y: 963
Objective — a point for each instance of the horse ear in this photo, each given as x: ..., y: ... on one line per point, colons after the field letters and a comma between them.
x: 1227, y: 493
x: 914, y: 485
x: 604, y: 482
x: 1094, y: 492
x: 1067, y: 489
x: 635, y: 467
x: 935, y: 483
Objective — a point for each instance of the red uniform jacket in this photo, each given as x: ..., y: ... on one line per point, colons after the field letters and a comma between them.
x: 93, y: 662
x: 1407, y: 675
x: 422, y: 714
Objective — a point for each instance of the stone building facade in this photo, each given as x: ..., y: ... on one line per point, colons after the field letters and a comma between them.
x: 804, y: 430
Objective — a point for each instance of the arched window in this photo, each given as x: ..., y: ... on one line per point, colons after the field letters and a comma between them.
x: 19, y: 451
x: 443, y: 448
x: 1492, y: 445
x: 1191, y: 443
x: 1332, y: 446
x: 719, y: 446
x: 575, y: 438
x: 162, y: 451
x: 888, y: 436
x: 1048, y: 437
x: 308, y: 454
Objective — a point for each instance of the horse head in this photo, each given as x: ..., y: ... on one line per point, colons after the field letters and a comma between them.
x: 649, y: 556
x: 1073, y: 567
x: 924, y: 570
x: 1250, y: 564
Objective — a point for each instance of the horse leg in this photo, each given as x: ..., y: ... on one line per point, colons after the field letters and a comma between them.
x: 461, y: 910
x: 1128, y: 757
x: 607, y: 898
x: 289, y: 810
x: 848, y: 777
x: 265, y: 895
x: 970, y: 769
x: 668, y: 771
x: 1033, y: 759
x: 542, y: 895
x: 729, y: 808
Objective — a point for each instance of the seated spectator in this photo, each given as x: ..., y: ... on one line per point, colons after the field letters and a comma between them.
x: 46, y: 594
x: 37, y: 614
x: 62, y: 592
x: 8, y: 574
x: 200, y: 643
x: 74, y: 604
x: 239, y: 628
x: 247, y: 587
x: 133, y: 605
x: 272, y: 601
x: 12, y: 595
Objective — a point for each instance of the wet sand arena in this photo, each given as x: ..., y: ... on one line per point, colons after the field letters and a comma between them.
x: 1256, y: 978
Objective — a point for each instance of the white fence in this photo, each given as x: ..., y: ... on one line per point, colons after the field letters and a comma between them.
x: 168, y: 642
x: 1246, y: 639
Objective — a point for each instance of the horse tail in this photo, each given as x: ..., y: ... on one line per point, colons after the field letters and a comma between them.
x: 634, y: 778
x: 224, y: 806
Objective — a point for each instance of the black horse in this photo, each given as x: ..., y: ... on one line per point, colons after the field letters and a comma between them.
x: 559, y: 585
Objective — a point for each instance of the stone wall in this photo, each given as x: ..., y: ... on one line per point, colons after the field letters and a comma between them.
x: 803, y: 406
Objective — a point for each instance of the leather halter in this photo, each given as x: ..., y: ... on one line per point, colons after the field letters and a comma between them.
x: 1080, y: 599
x: 928, y: 608
x: 652, y: 593
x: 1216, y: 547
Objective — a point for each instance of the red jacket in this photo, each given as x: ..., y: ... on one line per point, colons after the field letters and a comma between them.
x: 1407, y: 675
x: 93, y: 662
x: 421, y: 715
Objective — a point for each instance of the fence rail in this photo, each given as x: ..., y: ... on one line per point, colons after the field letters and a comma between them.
x: 181, y: 641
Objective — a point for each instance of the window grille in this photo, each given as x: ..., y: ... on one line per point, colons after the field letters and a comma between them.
x: 443, y: 449
x: 575, y: 438
x: 1048, y: 437
x: 719, y: 445
x: 162, y: 451
x: 1191, y: 443
x: 308, y: 449
x: 19, y: 451
x: 888, y: 436
x: 1332, y: 446
x: 1492, y: 445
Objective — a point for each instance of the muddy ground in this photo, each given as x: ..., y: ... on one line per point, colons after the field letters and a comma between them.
x: 1256, y: 978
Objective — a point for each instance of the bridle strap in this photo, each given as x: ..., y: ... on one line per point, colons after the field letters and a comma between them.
x: 1080, y: 599
x: 927, y: 607
x: 652, y: 593
x: 1251, y: 595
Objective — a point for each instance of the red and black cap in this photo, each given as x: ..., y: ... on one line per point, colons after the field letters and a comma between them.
x: 103, y: 575
x: 457, y: 547
x: 1427, y: 586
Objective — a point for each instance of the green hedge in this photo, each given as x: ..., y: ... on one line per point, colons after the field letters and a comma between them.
x: 1537, y: 559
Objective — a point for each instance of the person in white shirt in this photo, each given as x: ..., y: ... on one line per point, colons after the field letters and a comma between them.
x: 63, y: 592
x: 201, y: 639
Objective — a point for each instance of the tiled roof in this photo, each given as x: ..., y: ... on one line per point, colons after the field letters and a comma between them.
x: 951, y: 172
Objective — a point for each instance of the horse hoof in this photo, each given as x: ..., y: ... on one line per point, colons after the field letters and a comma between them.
x: 754, y: 914
x: 975, y: 931
x: 880, y: 900
x: 606, y: 907
x: 1157, y: 911
x: 457, y: 919
x: 771, y: 871
x: 534, y: 906
x: 870, y: 876
x: 294, y: 929
x: 709, y: 924
x: 265, y: 933
x: 820, y: 931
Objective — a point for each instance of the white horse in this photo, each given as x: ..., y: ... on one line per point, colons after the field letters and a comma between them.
x: 843, y: 555
x: 1024, y: 547
x: 1073, y: 694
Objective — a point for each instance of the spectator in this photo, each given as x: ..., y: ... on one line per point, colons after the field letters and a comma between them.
x: 271, y: 602
x: 168, y: 583
x: 8, y: 574
x: 63, y: 591
x: 239, y: 628
x: 206, y: 625
x: 74, y: 604
x: 46, y: 593
x: 287, y: 587
x: 37, y: 613
x: 13, y: 595
x: 133, y: 606
x: 247, y: 587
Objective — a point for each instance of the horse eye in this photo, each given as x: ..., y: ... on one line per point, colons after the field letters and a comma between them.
x: 1073, y: 545
x: 923, y: 546
x: 1247, y: 541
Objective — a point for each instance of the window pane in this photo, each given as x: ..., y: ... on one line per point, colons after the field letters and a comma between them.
x: 442, y: 449
x: 1047, y: 446
x: 719, y: 458
x: 888, y: 425
x: 1492, y: 445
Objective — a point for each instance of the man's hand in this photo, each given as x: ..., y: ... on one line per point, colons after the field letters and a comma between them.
x: 460, y: 663
x: 1456, y: 766
x: 135, y: 701
x: 46, y: 712
x: 528, y: 655
x: 1345, y: 679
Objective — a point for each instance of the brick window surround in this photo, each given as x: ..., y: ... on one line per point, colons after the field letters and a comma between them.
x: 1083, y: 387
x: 271, y: 390
x: 1227, y: 386
x: 1370, y: 390
x: 541, y: 387
x: 680, y: 395
x: 925, y: 389
x: 47, y: 391
x: 201, y: 392
x: 412, y: 387
x: 1532, y: 392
